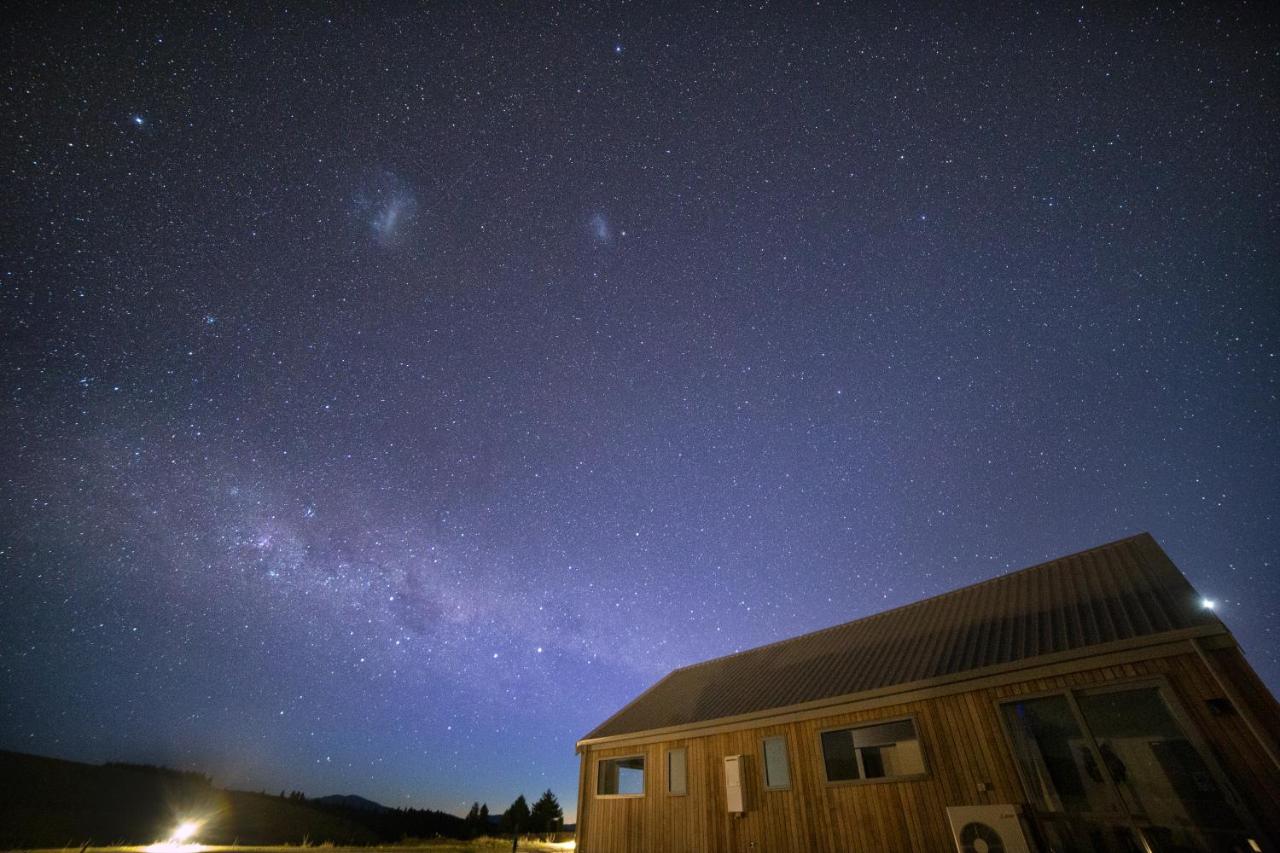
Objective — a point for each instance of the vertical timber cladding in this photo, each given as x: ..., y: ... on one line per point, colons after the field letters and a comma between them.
x: 964, y: 749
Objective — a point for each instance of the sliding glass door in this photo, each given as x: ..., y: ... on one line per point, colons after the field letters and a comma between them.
x: 1116, y: 769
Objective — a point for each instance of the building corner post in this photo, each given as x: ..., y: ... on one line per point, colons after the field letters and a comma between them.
x: 1246, y: 713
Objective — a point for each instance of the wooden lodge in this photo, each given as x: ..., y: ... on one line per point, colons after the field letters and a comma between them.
x: 1092, y: 703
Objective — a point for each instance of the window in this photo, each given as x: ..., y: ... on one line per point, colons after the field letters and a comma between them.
x: 677, y: 772
x: 777, y: 769
x: 621, y: 777
x: 880, y: 751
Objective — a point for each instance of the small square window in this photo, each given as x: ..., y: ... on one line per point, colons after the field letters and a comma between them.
x: 621, y: 777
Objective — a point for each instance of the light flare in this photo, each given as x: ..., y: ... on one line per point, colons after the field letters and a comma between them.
x: 179, y: 841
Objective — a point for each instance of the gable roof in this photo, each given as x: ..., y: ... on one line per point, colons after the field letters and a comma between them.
x: 1120, y: 591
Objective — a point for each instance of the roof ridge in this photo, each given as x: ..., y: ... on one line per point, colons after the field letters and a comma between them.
x: 933, y: 598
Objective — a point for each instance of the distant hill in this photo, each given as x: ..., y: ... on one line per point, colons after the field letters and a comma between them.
x: 48, y: 802
x: 351, y: 801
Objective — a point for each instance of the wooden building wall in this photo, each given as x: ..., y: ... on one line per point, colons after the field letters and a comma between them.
x: 964, y: 747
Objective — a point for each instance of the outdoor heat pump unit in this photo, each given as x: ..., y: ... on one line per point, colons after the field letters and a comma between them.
x: 978, y: 829
x: 733, y: 783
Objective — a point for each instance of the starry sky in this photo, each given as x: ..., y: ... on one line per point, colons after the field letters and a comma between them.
x: 389, y: 396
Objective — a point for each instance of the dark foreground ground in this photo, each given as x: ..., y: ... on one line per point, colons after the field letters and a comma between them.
x: 50, y: 804
x: 443, y: 845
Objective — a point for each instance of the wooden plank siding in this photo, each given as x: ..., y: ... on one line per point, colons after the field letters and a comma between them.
x: 964, y: 746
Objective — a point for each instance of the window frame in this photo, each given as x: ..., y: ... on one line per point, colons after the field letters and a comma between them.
x: 764, y: 762
x: 667, y: 770
x: 914, y: 719
x: 644, y: 777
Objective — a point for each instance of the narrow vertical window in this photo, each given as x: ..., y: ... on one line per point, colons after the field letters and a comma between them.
x: 777, y: 769
x: 677, y: 772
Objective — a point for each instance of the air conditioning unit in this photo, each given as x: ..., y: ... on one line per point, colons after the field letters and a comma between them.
x: 987, y: 829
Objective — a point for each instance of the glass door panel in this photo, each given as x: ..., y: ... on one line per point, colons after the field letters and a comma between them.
x: 1160, y: 774
x: 1057, y: 760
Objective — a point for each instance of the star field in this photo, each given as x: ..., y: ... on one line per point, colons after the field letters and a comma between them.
x: 390, y: 397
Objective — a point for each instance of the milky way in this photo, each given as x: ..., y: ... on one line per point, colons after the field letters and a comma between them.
x: 389, y: 398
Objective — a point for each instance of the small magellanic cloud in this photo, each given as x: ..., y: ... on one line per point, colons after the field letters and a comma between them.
x: 599, y: 229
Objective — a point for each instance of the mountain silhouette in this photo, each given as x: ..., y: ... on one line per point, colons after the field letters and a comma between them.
x: 351, y: 801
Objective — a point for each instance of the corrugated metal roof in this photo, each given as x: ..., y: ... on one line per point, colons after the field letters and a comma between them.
x: 1120, y: 591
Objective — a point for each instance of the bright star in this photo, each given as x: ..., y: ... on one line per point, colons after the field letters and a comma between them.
x: 139, y: 121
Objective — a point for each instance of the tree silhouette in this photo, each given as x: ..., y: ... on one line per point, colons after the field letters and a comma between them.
x: 473, y: 820
x: 546, y: 817
x: 516, y: 818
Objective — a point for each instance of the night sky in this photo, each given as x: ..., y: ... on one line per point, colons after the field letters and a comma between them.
x: 388, y: 397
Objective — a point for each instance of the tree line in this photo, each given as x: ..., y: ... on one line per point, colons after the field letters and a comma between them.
x: 545, y: 818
